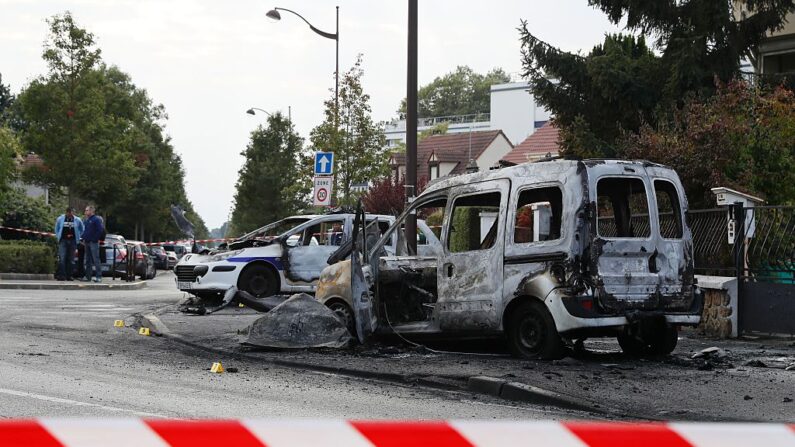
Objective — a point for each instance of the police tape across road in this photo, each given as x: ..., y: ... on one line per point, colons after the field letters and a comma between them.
x: 23, y: 230
x: 308, y: 433
x: 181, y: 241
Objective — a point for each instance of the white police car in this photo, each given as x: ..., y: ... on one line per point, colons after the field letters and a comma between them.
x: 283, y: 257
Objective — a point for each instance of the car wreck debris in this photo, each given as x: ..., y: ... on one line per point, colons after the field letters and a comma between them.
x: 299, y: 322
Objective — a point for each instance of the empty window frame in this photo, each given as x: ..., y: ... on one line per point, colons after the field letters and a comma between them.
x: 474, y: 222
x: 538, y: 215
x: 433, y: 213
x: 622, y: 208
x: 669, y: 211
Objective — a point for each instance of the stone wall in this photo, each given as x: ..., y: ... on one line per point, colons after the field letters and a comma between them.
x: 719, y: 318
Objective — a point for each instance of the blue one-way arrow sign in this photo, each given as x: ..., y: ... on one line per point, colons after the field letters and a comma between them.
x: 324, y: 163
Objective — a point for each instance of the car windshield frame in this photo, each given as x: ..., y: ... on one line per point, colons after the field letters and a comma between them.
x: 299, y: 220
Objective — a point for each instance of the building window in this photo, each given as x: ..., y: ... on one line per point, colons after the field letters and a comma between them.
x: 434, y: 171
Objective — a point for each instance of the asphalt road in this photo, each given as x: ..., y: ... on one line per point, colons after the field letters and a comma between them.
x: 61, y: 356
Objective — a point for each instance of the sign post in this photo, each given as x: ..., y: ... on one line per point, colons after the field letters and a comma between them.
x: 324, y: 180
x: 324, y: 163
x: 322, y: 195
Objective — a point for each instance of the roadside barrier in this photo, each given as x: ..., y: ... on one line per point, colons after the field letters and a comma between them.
x: 307, y: 433
x: 26, y: 231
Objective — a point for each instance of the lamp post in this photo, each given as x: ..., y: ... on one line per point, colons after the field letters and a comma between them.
x: 275, y: 15
x: 411, y: 128
x: 251, y: 111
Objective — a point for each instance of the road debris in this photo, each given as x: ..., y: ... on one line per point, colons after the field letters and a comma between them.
x: 298, y: 322
x: 713, y: 352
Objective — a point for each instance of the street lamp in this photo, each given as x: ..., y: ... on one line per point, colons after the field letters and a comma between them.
x: 275, y: 15
x: 411, y: 127
x: 251, y: 111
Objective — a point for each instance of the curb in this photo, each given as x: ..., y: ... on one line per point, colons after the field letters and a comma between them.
x: 478, y: 384
x: 26, y: 276
x: 72, y: 286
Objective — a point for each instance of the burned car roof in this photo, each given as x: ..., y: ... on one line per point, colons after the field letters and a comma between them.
x: 546, y: 167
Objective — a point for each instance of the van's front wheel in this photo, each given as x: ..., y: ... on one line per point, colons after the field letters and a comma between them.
x: 532, y: 334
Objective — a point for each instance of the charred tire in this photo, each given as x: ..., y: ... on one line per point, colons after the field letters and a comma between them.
x: 259, y: 281
x: 532, y: 334
x: 344, y: 313
x: 662, y: 342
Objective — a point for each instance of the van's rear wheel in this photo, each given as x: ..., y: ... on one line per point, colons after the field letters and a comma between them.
x: 661, y: 342
x: 532, y: 334
x: 259, y: 281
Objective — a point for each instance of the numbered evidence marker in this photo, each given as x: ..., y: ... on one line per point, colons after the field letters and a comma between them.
x: 324, y: 163
x: 323, y: 191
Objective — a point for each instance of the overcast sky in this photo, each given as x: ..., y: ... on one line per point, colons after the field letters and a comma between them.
x: 208, y: 61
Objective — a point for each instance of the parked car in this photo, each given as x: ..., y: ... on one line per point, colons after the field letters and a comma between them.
x: 178, y: 250
x: 541, y: 253
x: 172, y: 260
x: 113, y: 247
x: 160, y: 257
x: 283, y: 257
x: 144, y: 263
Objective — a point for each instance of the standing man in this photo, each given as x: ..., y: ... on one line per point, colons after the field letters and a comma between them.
x: 94, y: 229
x: 68, y: 229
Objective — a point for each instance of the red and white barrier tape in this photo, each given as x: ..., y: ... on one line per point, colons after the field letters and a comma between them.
x: 46, y: 233
x: 190, y: 241
x: 306, y: 433
x: 23, y: 230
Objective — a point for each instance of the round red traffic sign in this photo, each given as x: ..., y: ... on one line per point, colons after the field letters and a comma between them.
x: 322, y: 194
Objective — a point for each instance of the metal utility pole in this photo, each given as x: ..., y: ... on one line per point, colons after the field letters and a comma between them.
x: 411, y: 128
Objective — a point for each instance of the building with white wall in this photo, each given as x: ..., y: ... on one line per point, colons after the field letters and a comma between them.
x: 513, y: 110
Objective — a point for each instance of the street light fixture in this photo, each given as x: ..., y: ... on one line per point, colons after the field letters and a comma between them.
x: 251, y: 111
x: 276, y: 16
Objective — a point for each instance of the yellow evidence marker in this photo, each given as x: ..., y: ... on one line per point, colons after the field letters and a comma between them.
x: 217, y: 368
x: 144, y: 331
x: 118, y: 323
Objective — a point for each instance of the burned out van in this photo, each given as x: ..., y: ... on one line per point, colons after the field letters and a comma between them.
x: 543, y: 253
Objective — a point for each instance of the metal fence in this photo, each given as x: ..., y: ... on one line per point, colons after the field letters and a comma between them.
x: 770, y: 244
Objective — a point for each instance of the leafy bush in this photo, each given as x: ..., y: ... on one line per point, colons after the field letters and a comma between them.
x: 26, y: 257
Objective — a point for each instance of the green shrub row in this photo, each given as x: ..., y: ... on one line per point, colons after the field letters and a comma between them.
x: 26, y: 257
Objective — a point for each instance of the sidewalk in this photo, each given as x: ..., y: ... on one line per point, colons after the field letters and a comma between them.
x: 47, y: 282
x: 747, y: 383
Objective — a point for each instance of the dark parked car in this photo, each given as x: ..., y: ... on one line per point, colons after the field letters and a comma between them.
x: 144, y: 262
x: 160, y: 257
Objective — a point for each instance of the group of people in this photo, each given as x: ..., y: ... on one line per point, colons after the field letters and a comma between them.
x: 70, y: 231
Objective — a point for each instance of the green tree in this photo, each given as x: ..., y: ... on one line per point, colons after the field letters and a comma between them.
x: 359, y: 143
x: 6, y: 101
x: 264, y: 185
x: 742, y: 137
x: 622, y: 83
x: 72, y: 120
x: 9, y: 151
x: 459, y: 92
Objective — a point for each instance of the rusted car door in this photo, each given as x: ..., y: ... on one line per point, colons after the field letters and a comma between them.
x: 470, y: 273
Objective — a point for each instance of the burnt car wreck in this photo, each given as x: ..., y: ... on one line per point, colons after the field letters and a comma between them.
x: 541, y: 253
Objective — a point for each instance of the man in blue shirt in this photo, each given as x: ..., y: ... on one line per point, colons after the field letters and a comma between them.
x: 94, y: 229
x: 68, y: 229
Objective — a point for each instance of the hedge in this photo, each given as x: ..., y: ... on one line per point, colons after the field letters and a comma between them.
x: 26, y: 257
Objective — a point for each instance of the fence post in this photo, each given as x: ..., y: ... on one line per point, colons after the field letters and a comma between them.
x: 738, y: 212
x: 113, y: 263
